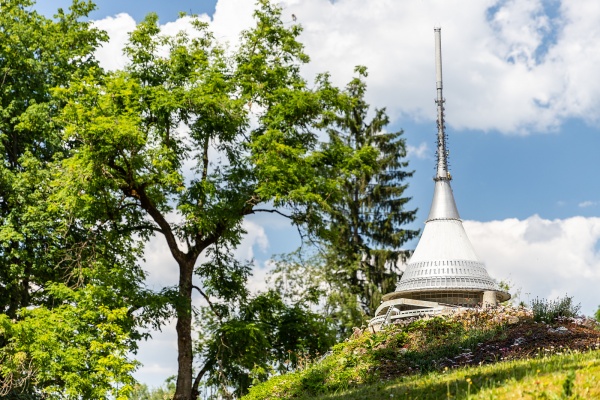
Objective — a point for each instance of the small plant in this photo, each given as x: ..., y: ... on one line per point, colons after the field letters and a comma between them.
x: 597, y: 315
x: 569, y: 384
x: 550, y: 310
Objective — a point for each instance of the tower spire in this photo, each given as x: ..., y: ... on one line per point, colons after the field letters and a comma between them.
x: 442, y: 153
x: 443, y: 273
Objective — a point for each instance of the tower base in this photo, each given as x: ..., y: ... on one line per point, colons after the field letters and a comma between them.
x: 400, y: 305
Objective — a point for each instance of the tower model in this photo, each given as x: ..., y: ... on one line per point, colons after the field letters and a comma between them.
x: 444, y: 273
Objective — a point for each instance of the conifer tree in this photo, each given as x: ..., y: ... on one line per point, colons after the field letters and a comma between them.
x: 367, y: 226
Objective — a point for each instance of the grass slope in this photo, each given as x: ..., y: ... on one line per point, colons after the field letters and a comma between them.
x: 564, y: 376
x: 494, y: 354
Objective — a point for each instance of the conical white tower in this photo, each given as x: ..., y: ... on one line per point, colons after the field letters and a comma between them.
x: 444, y: 272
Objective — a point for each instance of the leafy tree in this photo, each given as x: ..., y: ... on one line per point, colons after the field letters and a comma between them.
x: 36, y: 54
x: 358, y: 260
x: 75, y: 350
x: 142, y: 392
x: 247, y: 341
x: 66, y: 280
x: 187, y: 141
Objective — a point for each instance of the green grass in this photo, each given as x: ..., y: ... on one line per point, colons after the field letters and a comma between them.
x: 363, y: 366
x: 560, y: 376
x: 542, y: 378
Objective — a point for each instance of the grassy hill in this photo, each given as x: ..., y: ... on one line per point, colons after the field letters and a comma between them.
x: 495, y: 354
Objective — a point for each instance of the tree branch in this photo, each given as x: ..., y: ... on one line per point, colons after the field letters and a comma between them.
x: 140, y: 228
x: 270, y: 211
x: 139, y: 193
x: 208, y: 365
x: 210, y: 304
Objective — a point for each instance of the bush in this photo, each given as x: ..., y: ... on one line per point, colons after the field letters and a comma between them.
x: 550, y: 310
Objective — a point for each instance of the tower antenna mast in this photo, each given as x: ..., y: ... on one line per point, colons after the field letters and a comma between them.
x: 442, y: 153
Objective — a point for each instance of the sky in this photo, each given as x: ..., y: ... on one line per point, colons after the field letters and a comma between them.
x: 522, y: 114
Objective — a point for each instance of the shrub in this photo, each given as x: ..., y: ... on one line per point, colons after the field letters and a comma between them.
x: 550, y: 310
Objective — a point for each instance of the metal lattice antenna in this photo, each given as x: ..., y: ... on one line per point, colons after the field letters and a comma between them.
x: 443, y: 205
x: 442, y: 154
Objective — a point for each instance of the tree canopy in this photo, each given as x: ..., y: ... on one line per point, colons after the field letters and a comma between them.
x: 182, y: 144
x: 67, y: 281
x: 189, y: 139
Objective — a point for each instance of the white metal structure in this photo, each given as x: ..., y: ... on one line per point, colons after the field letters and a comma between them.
x: 444, y: 273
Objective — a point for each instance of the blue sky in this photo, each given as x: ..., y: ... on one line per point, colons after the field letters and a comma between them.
x: 138, y: 9
x: 522, y: 110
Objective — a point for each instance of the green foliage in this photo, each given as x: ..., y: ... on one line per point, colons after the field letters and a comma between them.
x: 36, y: 54
x: 166, y: 147
x: 183, y: 143
x: 69, y: 282
x: 550, y: 310
x: 365, y: 358
x: 359, y: 249
x: 142, y: 392
x: 597, y: 314
x: 78, y: 348
x: 252, y: 339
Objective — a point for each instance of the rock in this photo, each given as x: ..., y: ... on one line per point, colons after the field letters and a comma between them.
x: 559, y: 330
x: 519, y: 341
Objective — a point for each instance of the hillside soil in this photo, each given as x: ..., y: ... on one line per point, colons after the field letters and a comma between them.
x: 524, y: 339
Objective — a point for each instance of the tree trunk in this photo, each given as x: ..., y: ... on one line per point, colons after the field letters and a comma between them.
x: 183, y: 389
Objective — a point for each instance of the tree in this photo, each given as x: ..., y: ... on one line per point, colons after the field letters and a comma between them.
x: 66, y: 281
x: 358, y: 253
x: 255, y: 337
x: 366, y: 226
x: 246, y: 124
x: 36, y: 54
x: 78, y: 349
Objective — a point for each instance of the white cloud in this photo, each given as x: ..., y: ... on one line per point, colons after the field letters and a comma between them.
x: 545, y: 258
x: 587, y: 203
x: 110, y: 55
x: 160, y: 265
x: 230, y: 18
x: 421, y: 151
x: 258, y: 281
x: 508, y: 65
x: 502, y: 68
x: 255, y: 236
x: 158, y: 356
